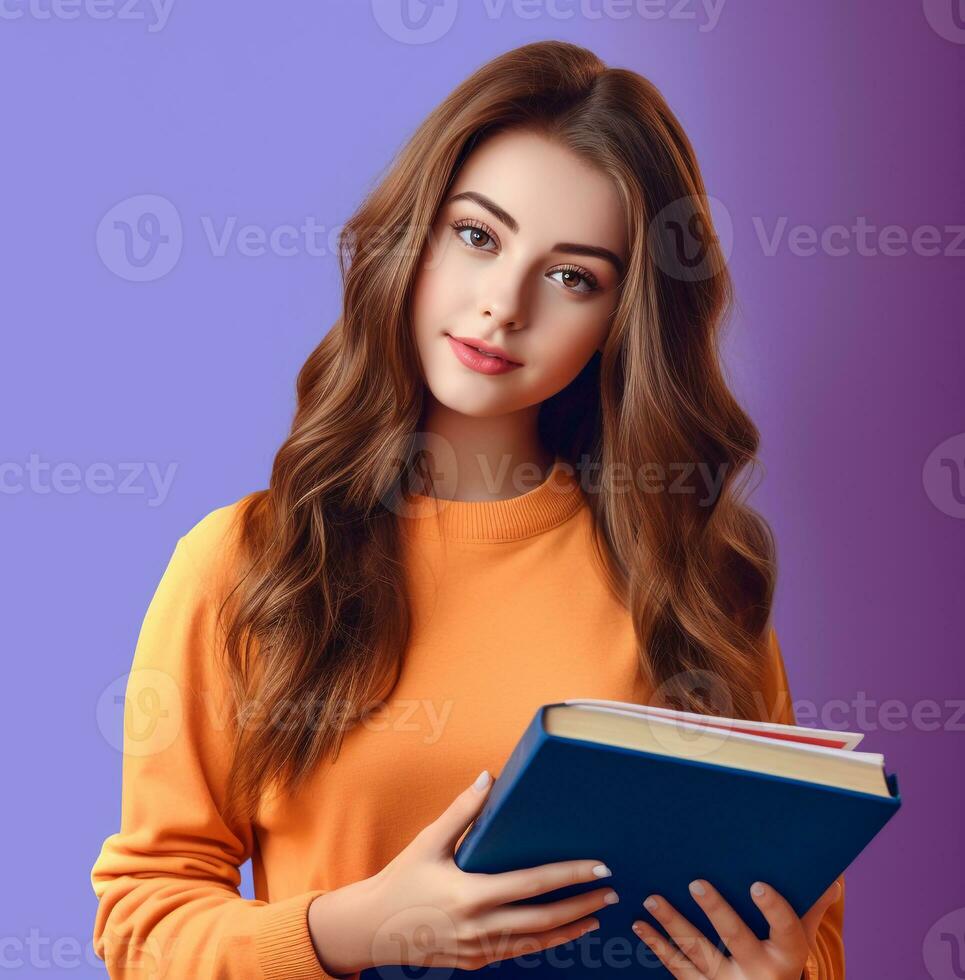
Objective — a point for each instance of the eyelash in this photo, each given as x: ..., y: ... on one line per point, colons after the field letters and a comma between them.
x: 585, y: 274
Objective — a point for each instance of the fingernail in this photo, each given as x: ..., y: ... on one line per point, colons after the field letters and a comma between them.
x: 611, y: 898
x: 651, y: 903
x: 757, y: 889
x: 696, y: 888
x: 602, y: 871
x: 482, y: 780
x: 837, y: 890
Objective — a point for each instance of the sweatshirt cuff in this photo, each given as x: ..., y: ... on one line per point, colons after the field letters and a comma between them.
x: 283, y: 943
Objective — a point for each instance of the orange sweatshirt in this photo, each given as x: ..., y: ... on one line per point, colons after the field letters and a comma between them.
x: 509, y: 612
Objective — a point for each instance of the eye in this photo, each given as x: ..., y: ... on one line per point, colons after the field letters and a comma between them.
x: 477, y: 230
x: 480, y: 234
x: 574, y: 273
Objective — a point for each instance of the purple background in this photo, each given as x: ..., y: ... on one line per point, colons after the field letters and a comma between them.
x: 820, y: 113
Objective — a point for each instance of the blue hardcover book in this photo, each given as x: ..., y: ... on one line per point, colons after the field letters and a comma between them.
x: 663, y: 797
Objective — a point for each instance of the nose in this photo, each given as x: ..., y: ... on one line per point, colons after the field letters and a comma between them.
x: 496, y: 318
x: 502, y: 304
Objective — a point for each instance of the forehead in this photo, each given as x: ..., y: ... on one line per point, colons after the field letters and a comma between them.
x: 552, y: 193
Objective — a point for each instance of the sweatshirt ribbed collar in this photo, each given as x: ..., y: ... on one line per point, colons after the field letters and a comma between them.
x: 550, y: 503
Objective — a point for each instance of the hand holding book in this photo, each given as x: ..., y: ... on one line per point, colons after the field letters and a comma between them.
x: 782, y: 956
x: 421, y: 910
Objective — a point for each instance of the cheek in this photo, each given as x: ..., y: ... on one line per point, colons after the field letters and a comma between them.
x: 563, y: 352
x: 434, y: 297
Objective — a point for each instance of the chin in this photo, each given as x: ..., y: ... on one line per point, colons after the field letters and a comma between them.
x: 456, y: 395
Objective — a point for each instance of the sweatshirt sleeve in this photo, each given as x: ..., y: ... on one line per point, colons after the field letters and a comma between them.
x: 826, y: 960
x: 167, y: 882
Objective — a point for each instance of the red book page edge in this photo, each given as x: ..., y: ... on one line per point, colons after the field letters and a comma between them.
x: 831, y: 743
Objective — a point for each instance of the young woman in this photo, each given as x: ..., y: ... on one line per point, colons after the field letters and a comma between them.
x: 512, y: 478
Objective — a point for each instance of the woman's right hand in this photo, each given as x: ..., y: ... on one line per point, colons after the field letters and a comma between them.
x: 421, y: 909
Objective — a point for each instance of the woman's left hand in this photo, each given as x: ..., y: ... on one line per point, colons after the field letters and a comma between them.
x: 692, y: 956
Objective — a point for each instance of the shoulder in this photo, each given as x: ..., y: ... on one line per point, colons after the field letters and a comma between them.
x: 211, y: 547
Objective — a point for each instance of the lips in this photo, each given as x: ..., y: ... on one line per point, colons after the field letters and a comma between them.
x: 481, y: 345
x: 480, y: 363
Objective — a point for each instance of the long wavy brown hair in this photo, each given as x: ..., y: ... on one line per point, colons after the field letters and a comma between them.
x: 320, y: 611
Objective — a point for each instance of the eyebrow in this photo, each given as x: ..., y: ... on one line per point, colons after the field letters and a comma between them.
x: 571, y: 248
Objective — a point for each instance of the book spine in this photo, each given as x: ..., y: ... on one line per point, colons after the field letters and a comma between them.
x: 525, y: 749
x: 892, y: 780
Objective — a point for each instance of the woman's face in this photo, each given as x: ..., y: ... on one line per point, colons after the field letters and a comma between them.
x: 526, y: 254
